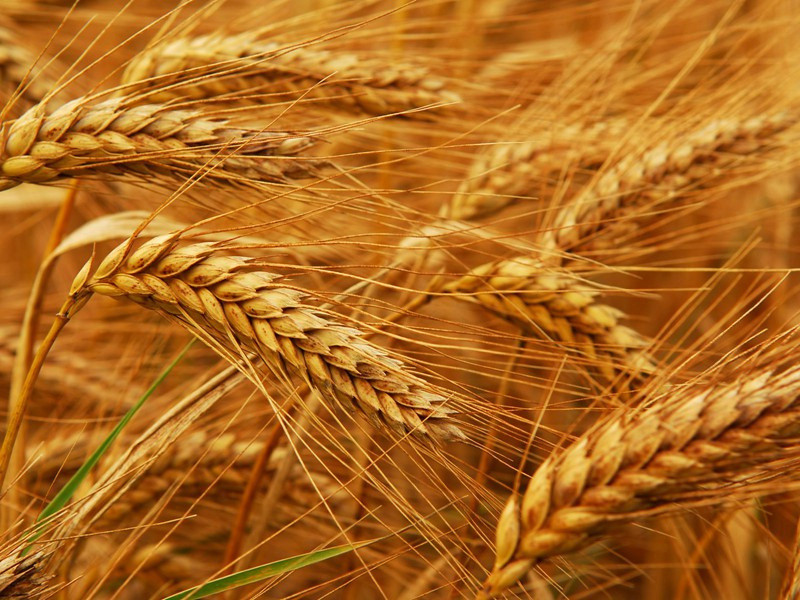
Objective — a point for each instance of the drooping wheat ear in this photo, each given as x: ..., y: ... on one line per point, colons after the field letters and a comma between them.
x: 556, y: 304
x: 660, y: 174
x: 17, y: 72
x: 61, y: 456
x: 151, y: 140
x: 214, y: 65
x: 230, y: 299
x: 690, y: 442
x: 65, y: 371
x: 224, y: 461
x: 508, y: 173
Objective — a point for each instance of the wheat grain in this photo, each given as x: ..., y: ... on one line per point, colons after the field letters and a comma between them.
x: 557, y: 305
x: 214, y: 65
x: 659, y: 174
x: 507, y: 173
x: 230, y: 298
x: 150, y: 140
x: 686, y: 443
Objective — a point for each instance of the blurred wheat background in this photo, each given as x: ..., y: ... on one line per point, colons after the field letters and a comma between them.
x: 494, y: 298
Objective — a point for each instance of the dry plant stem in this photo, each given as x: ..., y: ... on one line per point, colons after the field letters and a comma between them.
x: 234, y: 547
x: 683, y: 447
x: 16, y: 415
x: 276, y: 484
x: 232, y: 301
x: 554, y: 303
x: 216, y: 65
x: 657, y: 175
x: 112, y: 138
x: 21, y: 577
x: 30, y: 325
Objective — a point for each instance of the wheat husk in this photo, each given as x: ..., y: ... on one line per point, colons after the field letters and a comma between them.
x: 557, y: 305
x: 660, y: 174
x: 685, y: 446
x: 511, y: 172
x: 148, y: 141
x: 240, y: 306
x: 219, y: 65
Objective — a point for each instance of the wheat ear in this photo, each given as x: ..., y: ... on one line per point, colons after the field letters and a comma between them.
x: 230, y: 299
x: 216, y: 467
x: 690, y: 442
x: 660, y: 174
x: 215, y: 65
x: 113, y: 138
x: 507, y: 173
x: 555, y: 303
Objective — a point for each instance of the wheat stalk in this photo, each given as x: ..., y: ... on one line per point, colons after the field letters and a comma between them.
x: 216, y: 65
x: 553, y: 303
x: 151, y: 140
x: 241, y: 306
x: 691, y: 441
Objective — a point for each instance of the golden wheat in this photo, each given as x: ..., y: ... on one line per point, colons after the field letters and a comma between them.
x: 112, y: 138
x: 231, y: 298
x: 219, y: 65
x: 690, y: 441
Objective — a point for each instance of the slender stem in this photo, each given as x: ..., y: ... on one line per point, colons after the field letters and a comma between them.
x: 245, y: 507
x: 30, y: 323
x: 15, y: 415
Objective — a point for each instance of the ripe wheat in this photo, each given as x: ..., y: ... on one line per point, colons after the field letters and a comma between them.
x: 232, y: 300
x: 113, y: 138
x: 691, y: 441
x: 219, y: 65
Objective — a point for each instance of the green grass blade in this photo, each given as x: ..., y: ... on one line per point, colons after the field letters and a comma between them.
x: 263, y: 572
x: 65, y: 494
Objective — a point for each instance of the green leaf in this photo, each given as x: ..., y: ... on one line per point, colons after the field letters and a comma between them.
x: 65, y: 494
x: 263, y: 572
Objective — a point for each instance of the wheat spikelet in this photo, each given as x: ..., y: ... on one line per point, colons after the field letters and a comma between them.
x: 554, y: 303
x: 63, y: 455
x: 659, y: 174
x: 230, y: 299
x: 687, y: 442
x: 185, y: 67
x: 510, y: 172
x: 113, y: 138
x: 71, y: 371
x: 216, y: 467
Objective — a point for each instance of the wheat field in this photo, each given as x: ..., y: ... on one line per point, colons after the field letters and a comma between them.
x: 400, y: 299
